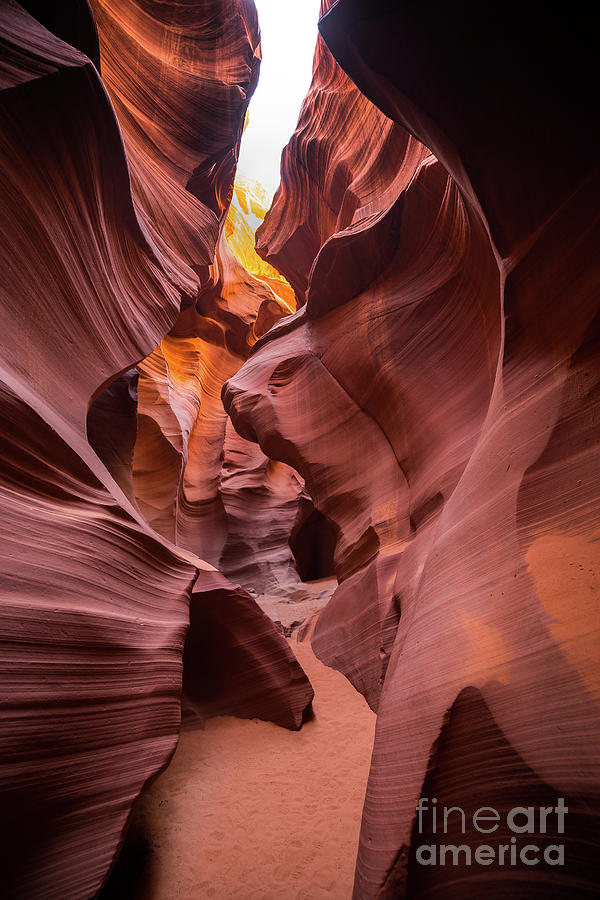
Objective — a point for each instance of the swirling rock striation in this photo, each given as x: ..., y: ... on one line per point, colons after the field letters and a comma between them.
x: 338, y: 198
x: 184, y: 465
x: 182, y: 143
x: 180, y: 77
x: 445, y: 420
x: 95, y: 603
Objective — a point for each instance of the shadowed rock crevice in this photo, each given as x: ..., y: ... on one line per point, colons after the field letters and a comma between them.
x: 473, y: 766
x: 312, y: 543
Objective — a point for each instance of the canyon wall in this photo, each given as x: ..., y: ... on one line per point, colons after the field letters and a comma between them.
x: 109, y: 241
x: 182, y: 141
x: 410, y: 365
x: 438, y: 392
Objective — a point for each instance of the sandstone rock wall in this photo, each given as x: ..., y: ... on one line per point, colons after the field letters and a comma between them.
x: 444, y: 414
x: 95, y: 602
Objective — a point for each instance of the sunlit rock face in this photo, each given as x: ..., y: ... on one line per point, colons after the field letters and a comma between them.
x: 183, y: 465
x: 180, y: 76
x: 95, y: 601
x: 247, y: 211
x: 443, y: 409
x: 182, y: 141
x: 337, y: 190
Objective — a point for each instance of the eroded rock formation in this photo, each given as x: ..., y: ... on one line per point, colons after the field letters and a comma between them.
x: 428, y: 417
x: 95, y: 603
x: 182, y: 463
x: 439, y: 394
x: 183, y: 182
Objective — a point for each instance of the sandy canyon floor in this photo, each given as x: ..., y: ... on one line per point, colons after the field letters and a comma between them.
x: 249, y: 811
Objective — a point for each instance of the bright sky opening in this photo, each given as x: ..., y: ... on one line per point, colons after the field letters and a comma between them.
x: 289, y: 35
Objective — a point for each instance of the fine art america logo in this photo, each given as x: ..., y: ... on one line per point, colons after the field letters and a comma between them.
x: 520, y: 821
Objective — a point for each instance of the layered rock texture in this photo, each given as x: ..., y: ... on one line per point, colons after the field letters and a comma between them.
x: 182, y: 140
x: 109, y: 232
x: 438, y: 392
x: 410, y: 361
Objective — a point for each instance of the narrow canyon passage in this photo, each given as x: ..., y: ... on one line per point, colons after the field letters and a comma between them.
x: 299, y: 450
x: 247, y: 809
x: 250, y: 811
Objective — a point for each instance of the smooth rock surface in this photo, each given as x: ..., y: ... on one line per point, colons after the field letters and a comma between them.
x: 95, y: 603
x: 445, y: 419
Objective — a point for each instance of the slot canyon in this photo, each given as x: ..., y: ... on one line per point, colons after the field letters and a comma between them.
x: 299, y: 483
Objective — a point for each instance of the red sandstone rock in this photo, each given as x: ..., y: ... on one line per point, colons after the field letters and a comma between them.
x: 496, y: 127
x: 182, y: 462
x: 339, y: 194
x: 226, y: 669
x: 95, y: 602
x: 261, y: 498
x: 180, y: 77
x: 352, y: 416
x: 439, y: 395
x: 179, y: 459
x: 445, y: 420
